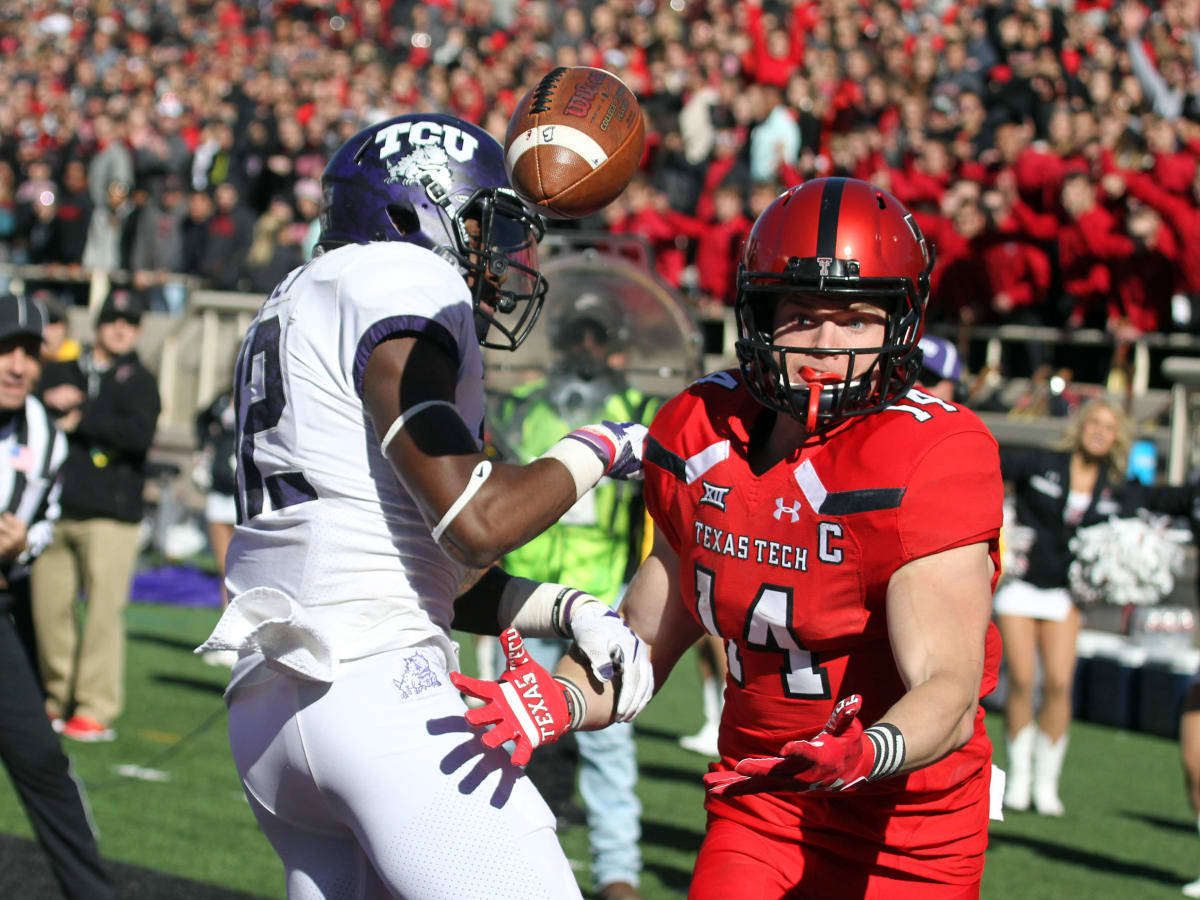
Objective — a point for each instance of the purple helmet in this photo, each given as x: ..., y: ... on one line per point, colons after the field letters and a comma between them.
x: 439, y: 182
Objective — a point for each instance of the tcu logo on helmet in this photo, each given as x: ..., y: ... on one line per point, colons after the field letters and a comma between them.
x: 426, y: 160
x: 457, y: 144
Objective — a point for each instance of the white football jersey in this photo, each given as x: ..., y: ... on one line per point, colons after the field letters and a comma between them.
x: 322, y: 516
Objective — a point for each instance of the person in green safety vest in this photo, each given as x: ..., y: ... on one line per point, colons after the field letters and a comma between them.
x: 595, y: 546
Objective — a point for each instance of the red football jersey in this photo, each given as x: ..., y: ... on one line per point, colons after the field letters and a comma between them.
x: 791, y: 567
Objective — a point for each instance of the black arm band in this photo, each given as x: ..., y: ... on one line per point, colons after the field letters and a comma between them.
x: 889, y: 749
x: 576, y: 703
x: 556, y: 614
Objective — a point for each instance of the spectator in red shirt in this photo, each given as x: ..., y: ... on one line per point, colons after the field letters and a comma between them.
x: 1082, y: 250
x: 1038, y: 173
x: 984, y: 91
x: 1086, y: 236
x: 1182, y: 216
x: 1018, y: 270
x: 718, y: 239
x: 1144, y: 276
x: 988, y: 271
x: 926, y: 178
x: 644, y: 211
x: 775, y: 53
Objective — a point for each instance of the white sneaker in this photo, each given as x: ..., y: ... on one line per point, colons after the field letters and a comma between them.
x: 224, y: 658
x: 1192, y: 888
x: 703, y: 742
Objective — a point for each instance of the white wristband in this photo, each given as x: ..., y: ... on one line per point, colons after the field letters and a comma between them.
x: 539, y: 608
x: 585, y: 467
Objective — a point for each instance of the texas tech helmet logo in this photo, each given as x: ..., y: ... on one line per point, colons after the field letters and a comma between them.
x: 823, y: 264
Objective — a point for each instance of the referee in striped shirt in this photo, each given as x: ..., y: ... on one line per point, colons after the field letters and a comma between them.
x: 31, y: 452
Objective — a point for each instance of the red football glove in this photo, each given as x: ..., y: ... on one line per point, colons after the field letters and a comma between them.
x: 838, y: 758
x: 527, y: 705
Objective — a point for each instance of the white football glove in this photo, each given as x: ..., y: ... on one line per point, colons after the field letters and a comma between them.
x: 611, y: 646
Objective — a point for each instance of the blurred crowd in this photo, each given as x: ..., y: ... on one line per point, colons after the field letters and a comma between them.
x: 1047, y: 149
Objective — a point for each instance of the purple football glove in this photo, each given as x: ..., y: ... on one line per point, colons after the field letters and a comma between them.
x: 619, y: 446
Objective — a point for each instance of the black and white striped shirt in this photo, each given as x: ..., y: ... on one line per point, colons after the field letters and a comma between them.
x: 32, y: 451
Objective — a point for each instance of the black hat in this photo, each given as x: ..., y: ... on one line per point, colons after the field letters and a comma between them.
x: 56, y: 310
x: 603, y: 317
x: 20, y: 316
x: 121, y: 303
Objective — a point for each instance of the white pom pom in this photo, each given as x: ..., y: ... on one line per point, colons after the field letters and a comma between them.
x: 1124, y: 561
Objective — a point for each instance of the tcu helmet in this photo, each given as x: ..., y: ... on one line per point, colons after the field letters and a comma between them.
x: 439, y: 182
x: 836, y: 238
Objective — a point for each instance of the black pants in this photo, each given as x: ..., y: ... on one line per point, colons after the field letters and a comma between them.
x: 40, y: 771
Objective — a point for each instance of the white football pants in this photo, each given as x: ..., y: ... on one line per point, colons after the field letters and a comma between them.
x: 375, y: 786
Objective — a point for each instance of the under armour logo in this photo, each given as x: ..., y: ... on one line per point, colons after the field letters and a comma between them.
x: 714, y: 495
x: 780, y: 509
x: 823, y: 263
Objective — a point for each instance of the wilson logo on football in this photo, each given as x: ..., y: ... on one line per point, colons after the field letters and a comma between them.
x: 793, y: 510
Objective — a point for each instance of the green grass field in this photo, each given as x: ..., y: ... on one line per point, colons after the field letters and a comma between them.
x: 1127, y: 832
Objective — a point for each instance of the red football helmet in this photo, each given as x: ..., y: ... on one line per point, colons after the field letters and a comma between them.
x: 843, y: 238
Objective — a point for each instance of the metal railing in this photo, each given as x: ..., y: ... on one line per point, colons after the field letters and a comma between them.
x: 193, y: 353
x: 1184, y: 373
x: 14, y: 276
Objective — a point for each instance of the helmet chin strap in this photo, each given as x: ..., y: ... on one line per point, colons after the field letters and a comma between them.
x: 816, y: 382
x: 483, y: 324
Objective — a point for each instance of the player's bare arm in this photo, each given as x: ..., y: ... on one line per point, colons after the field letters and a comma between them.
x: 479, y: 519
x: 532, y: 708
x: 654, y: 608
x: 938, y: 609
x: 436, y: 457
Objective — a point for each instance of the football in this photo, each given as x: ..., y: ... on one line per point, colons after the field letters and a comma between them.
x: 574, y: 142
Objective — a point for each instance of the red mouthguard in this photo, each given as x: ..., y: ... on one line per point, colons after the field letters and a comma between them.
x: 816, y: 382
